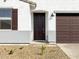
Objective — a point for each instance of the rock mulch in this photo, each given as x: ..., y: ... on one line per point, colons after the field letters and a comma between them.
x: 31, y: 51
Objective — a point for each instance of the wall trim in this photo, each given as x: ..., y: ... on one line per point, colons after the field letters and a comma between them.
x: 66, y: 11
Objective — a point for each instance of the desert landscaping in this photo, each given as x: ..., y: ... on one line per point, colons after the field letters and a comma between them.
x: 31, y: 52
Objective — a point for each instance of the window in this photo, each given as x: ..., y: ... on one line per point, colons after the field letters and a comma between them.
x: 5, y: 18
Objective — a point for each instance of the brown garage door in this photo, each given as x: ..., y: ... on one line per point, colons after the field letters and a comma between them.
x: 67, y: 27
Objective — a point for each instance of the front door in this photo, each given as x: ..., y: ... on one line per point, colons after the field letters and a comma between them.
x: 39, y: 26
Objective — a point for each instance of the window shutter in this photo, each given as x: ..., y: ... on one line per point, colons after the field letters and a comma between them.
x: 14, y: 19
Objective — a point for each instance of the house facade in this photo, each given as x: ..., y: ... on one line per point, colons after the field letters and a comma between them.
x: 53, y: 21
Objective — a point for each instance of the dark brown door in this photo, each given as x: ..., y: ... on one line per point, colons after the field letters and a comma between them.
x: 67, y: 27
x: 39, y: 26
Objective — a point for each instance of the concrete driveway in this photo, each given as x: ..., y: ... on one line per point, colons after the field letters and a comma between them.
x: 72, y: 50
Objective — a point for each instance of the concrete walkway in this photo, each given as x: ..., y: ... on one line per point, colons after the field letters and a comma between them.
x: 72, y: 50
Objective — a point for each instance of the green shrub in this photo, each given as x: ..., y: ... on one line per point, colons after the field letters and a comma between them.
x: 42, y: 49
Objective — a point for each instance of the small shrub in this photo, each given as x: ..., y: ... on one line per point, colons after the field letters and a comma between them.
x: 11, y: 52
x: 21, y: 48
x: 42, y: 49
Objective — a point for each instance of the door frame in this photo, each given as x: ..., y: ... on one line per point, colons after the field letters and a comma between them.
x: 46, y: 23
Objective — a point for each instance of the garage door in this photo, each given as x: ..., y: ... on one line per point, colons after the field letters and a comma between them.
x: 67, y: 27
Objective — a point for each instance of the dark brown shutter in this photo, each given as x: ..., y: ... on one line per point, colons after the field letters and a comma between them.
x: 14, y: 19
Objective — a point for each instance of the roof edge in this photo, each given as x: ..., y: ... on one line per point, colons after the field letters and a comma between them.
x: 32, y: 4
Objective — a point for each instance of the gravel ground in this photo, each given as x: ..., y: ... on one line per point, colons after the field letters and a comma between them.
x: 31, y: 52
